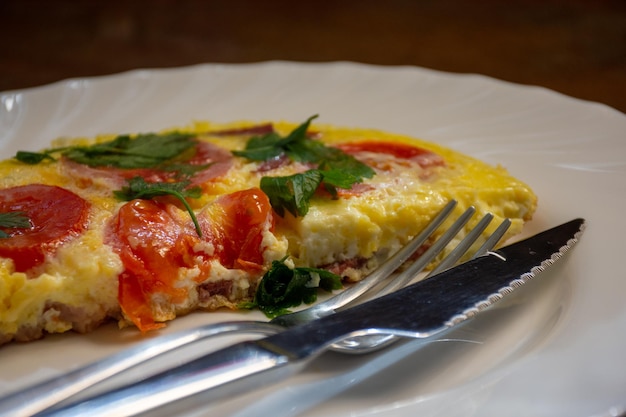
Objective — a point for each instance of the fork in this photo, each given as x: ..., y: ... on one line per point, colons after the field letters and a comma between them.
x: 51, y: 392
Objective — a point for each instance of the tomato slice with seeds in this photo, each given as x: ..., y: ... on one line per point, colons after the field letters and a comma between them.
x: 155, y: 240
x: 237, y: 221
x: 152, y: 245
x: 56, y: 215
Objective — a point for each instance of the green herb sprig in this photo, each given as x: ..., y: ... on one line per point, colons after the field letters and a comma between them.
x: 293, y: 193
x: 142, y: 151
x: 282, y: 287
x: 34, y: 158
x: 13, y: 219
x: 138, y: 188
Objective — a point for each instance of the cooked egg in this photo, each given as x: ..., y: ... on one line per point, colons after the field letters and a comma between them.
x: 78, y: 285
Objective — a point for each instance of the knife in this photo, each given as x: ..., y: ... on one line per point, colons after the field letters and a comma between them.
x: 421, y: 310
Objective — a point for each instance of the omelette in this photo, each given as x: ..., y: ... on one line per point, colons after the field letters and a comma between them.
x: 142, y: 228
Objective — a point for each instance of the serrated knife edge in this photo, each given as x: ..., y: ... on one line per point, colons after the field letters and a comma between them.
x: 472, y: 311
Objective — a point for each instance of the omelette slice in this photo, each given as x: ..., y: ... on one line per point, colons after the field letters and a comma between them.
x: 144, y: 228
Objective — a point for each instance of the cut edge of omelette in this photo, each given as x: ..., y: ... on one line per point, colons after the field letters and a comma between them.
x: 78, y: 289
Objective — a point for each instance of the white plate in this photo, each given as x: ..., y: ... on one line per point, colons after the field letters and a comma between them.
x: 555, y: 350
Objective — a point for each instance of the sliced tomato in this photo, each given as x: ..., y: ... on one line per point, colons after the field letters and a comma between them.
x: 152, y: 244
x: 423, y: 157
x: 237, y: 221
x: 154, y: 241
x: 55, y: 214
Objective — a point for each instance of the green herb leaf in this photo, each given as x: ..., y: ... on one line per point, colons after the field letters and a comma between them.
x: 13, y: 219
x: 312, y: 151
x: 349, y: 165
x: 138, y: 188
x: 340, y: 178
x: 184, y: 171
x: 272, y: 145
x: 32, y: 158
x: 292, y: 193
x: 144, y: 151
x: 282, y: 287
x: 328, y: 281
x: 262, y: 148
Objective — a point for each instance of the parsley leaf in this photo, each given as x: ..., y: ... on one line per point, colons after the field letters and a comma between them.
x: 33, y: 158
x: 272, y: 145
x: 262, y: 148
x: 138, y: 188
x: 282, y: 287
x: 13, y: 219
x: 143, y: 151
x: 293, y: 193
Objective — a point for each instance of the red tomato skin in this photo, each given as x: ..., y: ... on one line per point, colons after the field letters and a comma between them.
x: 150, y: 243
x: 154, y: 243
x: 236, y: 221
x: 56, y: 216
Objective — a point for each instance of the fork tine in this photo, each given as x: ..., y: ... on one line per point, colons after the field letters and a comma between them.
x: 426, y: 258
x: 370, y: 343
x: 389, y: 266
x: 493, y: 240
x: 463, y: 246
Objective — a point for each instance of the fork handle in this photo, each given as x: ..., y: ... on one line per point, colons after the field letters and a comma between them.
x: 226, y: 372
x: 29, y: 401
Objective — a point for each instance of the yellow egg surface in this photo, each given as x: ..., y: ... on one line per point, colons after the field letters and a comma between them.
x: 144, y: 259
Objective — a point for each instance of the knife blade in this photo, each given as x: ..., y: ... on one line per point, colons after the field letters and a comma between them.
x: 421, y: 310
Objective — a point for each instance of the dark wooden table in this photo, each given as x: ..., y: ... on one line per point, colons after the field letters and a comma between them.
x: 577, y: 47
